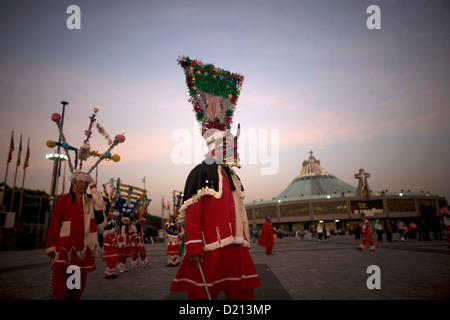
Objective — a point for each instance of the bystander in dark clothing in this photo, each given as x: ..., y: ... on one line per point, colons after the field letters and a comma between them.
x: 357, y: 231
x: 388, y: 230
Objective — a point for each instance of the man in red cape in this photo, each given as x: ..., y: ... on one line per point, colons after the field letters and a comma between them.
x: 266, y: 237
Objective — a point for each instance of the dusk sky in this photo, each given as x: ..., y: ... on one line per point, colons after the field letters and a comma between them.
x: 316, y: 78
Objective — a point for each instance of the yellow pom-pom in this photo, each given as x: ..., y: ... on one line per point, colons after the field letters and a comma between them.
x: 115, y: 158
x: 51, y: 144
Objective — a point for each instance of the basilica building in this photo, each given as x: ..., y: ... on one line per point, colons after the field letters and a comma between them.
x: 316, y: 196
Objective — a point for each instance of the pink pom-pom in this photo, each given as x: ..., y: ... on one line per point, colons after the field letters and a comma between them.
x: 88, y: 133
x: 56, y: 117
x: 120, y: 138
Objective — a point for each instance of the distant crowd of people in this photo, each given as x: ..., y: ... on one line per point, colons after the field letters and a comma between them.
x: 400, y: 230
x: 389, y: 230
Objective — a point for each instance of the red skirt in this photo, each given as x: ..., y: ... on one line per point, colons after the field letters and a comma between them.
x: 110, y: 253
x: 125, y: 252
x: 227, y: 268
x: 173, y: 249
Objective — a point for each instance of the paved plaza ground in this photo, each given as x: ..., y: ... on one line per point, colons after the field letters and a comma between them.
x: 309, y: 270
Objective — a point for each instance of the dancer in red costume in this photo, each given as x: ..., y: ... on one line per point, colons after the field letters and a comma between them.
x: 174, y: 232
x: 216, y: 237
x: 266, y: 238
x: 366, y: 231
x: 139, y: 246
x: 124, y: 241
x: 217, y: 249
x: 72, y: 237
x: 110, y: 253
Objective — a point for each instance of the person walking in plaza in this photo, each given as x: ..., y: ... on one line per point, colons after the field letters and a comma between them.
x: 379, y: 228
x: 395, y: 234
x: 436, y: 228
x: 137, y: 245
x: 423, y: 230
x: 72, y: 238
x: 357, y: 231
x: 401, y: 229
x: 124, y: 241
x: 405, y: 231
x: 217, y: 244
x: 366, y: 233
x: 267, y: 236
x: 320, y: 231
x: 110, y: 251
x: 388, y: 230
x: 326, y: 232
x: 446, y: 216
x: 217, y: 241
x: 412, y: 230
x: 174, y: 233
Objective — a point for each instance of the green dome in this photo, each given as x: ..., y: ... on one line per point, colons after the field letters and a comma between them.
x: 313, y: 181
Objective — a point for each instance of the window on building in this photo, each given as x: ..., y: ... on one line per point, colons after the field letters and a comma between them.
x: 401, y: 205
x: 263, y: 212
x: 329, y: 207
x: 294, y: 210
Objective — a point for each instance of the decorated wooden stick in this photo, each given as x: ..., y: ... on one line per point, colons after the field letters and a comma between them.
x: 84, y: 152
x: 118, y: 139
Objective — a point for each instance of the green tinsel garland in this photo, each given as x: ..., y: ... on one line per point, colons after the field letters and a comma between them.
x: 206, y: 78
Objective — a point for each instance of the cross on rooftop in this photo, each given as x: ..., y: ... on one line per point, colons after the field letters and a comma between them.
x: 363, y: 186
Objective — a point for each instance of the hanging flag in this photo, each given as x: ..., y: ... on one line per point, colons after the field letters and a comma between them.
x: 11, y: 147
x: 20, y: 151
x: 27, y: 157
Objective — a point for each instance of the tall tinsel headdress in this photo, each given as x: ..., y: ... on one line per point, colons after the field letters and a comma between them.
x: 85, y: 151
x: 213, y: 93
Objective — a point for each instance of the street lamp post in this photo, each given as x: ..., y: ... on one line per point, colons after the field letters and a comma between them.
x: 62, y: 157
x: 56, y: 161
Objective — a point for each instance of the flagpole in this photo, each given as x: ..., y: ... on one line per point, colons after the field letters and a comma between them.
x: 21, y: 197
x: 15, y: 176
x: 11, y: 149
x: 4, y: 186
x: 25, y: 165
